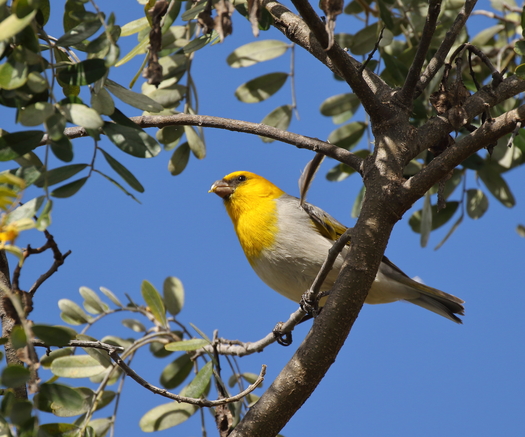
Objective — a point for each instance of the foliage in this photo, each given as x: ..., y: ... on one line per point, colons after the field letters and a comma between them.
x: 52, y: 82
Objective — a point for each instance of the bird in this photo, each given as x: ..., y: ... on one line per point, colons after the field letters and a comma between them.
x: 286, y: 240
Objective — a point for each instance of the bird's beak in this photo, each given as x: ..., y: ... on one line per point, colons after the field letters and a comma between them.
x: 222, y: 189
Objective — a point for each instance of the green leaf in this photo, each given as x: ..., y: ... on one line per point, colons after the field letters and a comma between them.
x: 123, y: 172
x: 36, y: 114
x: 76, y: 366
x: 82, y: 115
x: 44, y: 219
x: 72, y: 313
x: 280, y: 118
x: 111, y: 296
x: 348, y: 136
x: 101, y: 426
x: 60, y: 400
x: 58, y: 429
x: 195, y: 142
x: 200, y: 383
x: 83, y: 73
x: 102, y: 102
x: 140, y: 48
x: 62, y: 149
x: 170, y: 136
x: 139, y: 101
x: 486, y: 35
x: 13, y: 73
x: 200, y: 332
x: 13, y: 25
x: 134, y: 325
x: 18, y: 337
x: 15, y: 375
x: 255, y: 52
x: 92, y: 302
x: 438, y: 219
x: 158, y: 350
x: 70, y: 189
x: 166, y: 416
x: 426, y: 220
x: 154, y: 301
x: 477, y: 203
x: 46, y: 360
x: 385, y: 14
x: 179, y: 159
x: 52, y: 335
x: 358, y: 203
x: 79, y: 33
x: 340, y: 104
x: 169, y: 96
x: 176, y: 372
x: 495, y: 183
x: 27, y: 210
x: 118, y: 185
x: 520, y: 229
x: 132, y: 141
x: 100, y: 355
x: 342, y: 171
x: 19, y: 143
x: 135, y: 26
x: 450, y: 231
x: 59, y: 174
x: 473, y: 162
x: 200, y: 42
x: 365, y: 40
x: 261, y: 88
x: 187, y: 345
x: 173, y: 291
x: 55, y: 125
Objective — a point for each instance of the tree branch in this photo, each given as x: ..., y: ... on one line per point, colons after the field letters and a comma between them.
x: 434, y: 130
x: 299, y: 141
x: 347, y: 67
x: 165, y: 393
x: 406, y: 94
x: 439, y: 58
x: 8, y: 321
x: 487, y: 134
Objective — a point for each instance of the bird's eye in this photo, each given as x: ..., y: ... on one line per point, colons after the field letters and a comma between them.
x: 241, y: 178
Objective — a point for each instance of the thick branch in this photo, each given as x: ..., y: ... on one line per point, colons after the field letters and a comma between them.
x: 487, y: 134
x: 406, y: 94
x: 437, y: 128
x: 439, y: 58
x: 299, y: 141
x: 304, y: 371
x: 347, y: 67
x: 8, y: 322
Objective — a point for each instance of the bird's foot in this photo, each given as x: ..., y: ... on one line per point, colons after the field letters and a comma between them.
x: 283, y: 338
x: 310, y: 304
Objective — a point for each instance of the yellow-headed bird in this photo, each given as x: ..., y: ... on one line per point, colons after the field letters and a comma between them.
x: 287, y: 241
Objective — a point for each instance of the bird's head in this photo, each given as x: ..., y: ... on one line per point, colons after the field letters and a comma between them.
x: 244, y: 185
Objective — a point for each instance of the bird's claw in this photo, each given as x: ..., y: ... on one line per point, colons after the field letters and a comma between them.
x: 283, y: 338
x: 310, y: 304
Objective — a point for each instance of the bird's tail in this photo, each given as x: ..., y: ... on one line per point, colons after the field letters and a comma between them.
x: 443, y: 307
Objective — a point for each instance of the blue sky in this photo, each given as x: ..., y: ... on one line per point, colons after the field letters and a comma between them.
x: 403, y: 370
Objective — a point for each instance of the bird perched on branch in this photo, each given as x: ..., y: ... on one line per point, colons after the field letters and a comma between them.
x: 287, y: 240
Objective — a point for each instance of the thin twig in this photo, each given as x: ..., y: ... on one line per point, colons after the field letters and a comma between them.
x: 407, y: 92
x: 199, y: 402
x: 372, y: 53
x: 439, y: 58
x: 299, y: 141
x: 333, y: 253
x: 84, y: 343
